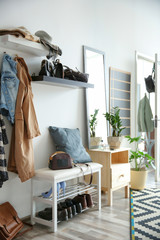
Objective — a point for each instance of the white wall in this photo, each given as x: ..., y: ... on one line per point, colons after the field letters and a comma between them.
x: 116, y: 27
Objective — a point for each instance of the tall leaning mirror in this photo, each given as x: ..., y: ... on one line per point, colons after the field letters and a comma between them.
x: 96, y: 98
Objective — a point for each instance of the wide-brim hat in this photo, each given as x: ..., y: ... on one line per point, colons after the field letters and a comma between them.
x: 43, y: 36
x: 46, y: 39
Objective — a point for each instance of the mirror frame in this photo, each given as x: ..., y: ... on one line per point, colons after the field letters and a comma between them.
x: 106, y: 86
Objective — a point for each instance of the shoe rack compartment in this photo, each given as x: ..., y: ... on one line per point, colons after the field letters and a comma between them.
x: 70, y: 192
x: 57, y: 176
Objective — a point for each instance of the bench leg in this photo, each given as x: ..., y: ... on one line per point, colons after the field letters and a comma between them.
x: 54, y: 206
x: 99, y: 188
x: 33, y: 205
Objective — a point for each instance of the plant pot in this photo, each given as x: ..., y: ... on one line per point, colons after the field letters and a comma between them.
x: 138, y: 179
x: 114, y: 142
x: 95, y: 142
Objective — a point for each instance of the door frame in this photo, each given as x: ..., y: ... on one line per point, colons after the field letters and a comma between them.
x: 139, y: 55
x: 142, y: 56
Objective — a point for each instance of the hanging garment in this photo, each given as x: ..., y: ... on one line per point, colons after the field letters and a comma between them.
x: 145, y: 124
x: 3, y: 140
x: 20, y: 32
x: 9, y: 87
x: 21, y: 157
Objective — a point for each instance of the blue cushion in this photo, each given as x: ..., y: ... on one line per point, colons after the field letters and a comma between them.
x: 69, y: 141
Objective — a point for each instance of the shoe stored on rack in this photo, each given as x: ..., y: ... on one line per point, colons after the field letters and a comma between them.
x: 89, y: 200
x: 46, y: 214
x: 47, y: 194
x: 63, y: 205
x: 69, y: 203
x: 62, y: 215
x: 81, y: 199
x: 78, y: 207
x: 61, y: 185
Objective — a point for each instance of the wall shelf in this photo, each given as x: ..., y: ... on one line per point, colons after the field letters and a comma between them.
x: 23, y: 45
x: 61, y: 82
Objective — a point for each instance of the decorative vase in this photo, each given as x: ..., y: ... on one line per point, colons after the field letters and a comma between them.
x: 114, y: 142
x: 138, y: 179
x: 95, y: 142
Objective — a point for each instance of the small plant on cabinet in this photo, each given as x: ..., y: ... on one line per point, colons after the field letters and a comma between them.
x: 113, y: 117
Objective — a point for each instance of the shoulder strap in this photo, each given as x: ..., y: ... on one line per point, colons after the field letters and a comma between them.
x: 88, y: 165
x: 91, y: 178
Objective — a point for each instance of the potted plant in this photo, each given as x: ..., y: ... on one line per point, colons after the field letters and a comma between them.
x: 140, y: 163
x: 115, y: 122
x: 94, y: 141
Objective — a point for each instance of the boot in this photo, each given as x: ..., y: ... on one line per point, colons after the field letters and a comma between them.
x: 89, y: 200
x: 63, y: 205
x: 81, y: 199
x: 62, y: 215
x: 69, y: 203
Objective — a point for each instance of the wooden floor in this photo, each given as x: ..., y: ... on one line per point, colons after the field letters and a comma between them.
x: 109, y: 223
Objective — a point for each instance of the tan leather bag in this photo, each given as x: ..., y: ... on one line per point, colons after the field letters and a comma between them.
x: 10, y: 223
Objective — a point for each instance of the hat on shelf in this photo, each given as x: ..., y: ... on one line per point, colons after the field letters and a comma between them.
x: 46, y: 39
x: 43, y: 35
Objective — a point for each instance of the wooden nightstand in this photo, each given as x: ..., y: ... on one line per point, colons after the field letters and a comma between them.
x: 115, y: 171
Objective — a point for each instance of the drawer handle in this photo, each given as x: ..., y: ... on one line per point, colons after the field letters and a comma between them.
x: 122, y: 175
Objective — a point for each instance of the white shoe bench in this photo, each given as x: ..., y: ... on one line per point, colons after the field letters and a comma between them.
x: 56, y: 176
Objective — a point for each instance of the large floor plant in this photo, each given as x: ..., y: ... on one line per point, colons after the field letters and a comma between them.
x: 140, y: 163
x: 139, y: 159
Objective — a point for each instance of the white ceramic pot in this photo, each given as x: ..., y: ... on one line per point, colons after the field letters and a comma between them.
x: 114, y: 142
x: 95, y: 142
x: 138, y: 179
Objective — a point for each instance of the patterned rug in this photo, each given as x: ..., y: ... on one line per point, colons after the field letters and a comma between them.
x: 145, y: 214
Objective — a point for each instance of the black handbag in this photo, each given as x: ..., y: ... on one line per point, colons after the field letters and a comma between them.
x: 150, y: 82
x: 76, y: 76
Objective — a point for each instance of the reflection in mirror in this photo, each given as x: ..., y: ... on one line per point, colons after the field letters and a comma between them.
x: 94, y: 65
x: 144, y: 70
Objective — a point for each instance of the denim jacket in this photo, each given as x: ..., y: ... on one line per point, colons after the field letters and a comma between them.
x: 9, y: 87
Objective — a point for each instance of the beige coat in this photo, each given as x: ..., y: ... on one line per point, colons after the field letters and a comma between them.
x: 21, y: 157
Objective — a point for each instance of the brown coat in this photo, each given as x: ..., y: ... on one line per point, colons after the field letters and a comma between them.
x: 21, y: 157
